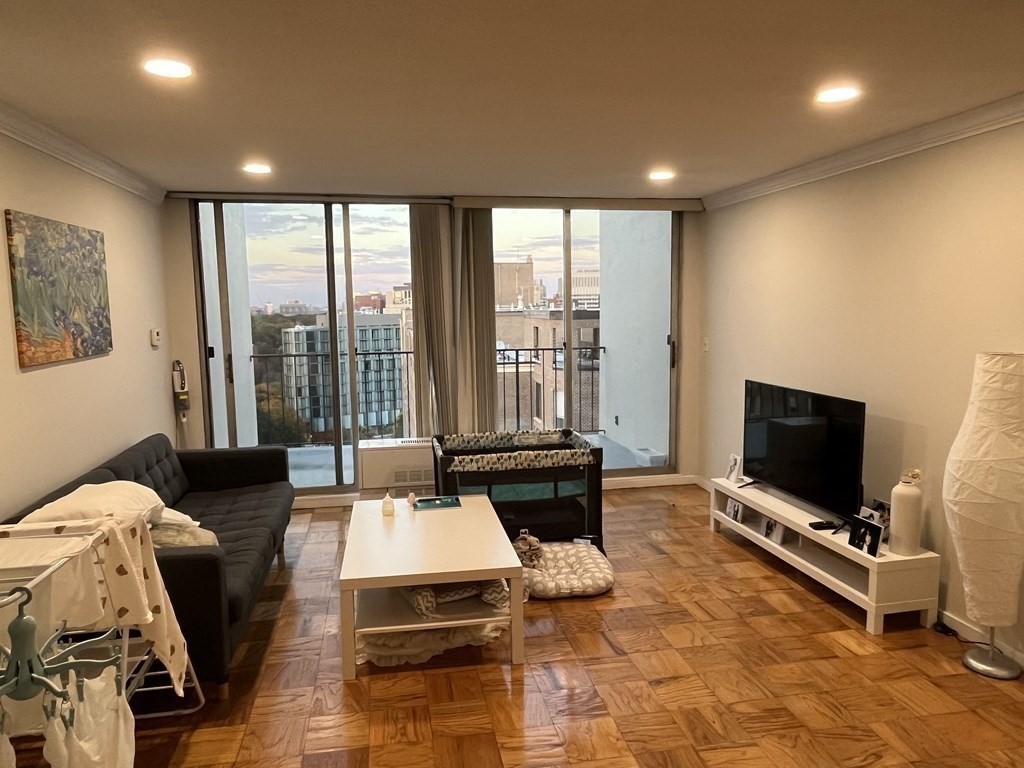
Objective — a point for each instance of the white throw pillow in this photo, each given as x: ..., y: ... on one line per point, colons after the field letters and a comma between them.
x: 118, y: 498
x: 172, y: 517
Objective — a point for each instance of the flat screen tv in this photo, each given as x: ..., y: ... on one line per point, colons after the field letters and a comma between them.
x: 805, y: 444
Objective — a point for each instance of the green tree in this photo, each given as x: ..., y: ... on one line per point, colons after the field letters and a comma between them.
x: 281, y: 428
x: 266, y: 340
x: 276, y: 422
x: 266, y: 331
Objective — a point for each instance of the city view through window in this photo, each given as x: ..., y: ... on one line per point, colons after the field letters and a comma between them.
x: 276, y: 323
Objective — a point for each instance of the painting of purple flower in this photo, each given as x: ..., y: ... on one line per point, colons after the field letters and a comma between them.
x: 59, y: 283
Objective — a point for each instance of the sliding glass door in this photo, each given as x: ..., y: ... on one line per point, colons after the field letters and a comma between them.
x: 308, y: 325
x: 530, y: 330
x: 584, y: 318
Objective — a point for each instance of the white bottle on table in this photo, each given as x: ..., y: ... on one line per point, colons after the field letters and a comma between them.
x: 905, y: 519
x: 387, y: 505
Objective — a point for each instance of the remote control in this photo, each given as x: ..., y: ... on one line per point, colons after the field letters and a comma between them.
x: 822, y: 525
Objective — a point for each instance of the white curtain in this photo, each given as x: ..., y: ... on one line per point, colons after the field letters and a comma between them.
x: 453, y: 319
x: 476, y: 369
x: 433, y: 318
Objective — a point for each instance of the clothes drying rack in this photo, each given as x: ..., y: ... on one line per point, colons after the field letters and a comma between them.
x: 136, y: 657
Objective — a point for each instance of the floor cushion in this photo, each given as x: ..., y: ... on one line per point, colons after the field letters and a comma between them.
x: 567, y: 569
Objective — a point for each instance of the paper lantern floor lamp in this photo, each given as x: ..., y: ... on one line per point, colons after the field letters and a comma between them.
x: 983, y: 493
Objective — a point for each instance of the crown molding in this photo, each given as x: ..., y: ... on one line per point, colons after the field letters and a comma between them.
x: 27, y: 130
x: 989, y: 117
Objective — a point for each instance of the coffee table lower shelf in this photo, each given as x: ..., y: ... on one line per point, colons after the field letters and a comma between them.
x: 385, y: 610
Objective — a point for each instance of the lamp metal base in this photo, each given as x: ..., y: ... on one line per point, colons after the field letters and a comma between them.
x: 991, y: 663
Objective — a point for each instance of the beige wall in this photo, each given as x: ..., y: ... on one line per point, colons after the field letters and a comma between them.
x: 878, y: 285
x: 62, y: 419
x: 182, y: 313
x: 689, y: 447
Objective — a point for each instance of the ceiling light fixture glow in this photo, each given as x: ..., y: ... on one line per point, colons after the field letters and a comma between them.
x: 837, y: 95
x: 168, y: 68
x: 661, y: 175
x: 257, y: 168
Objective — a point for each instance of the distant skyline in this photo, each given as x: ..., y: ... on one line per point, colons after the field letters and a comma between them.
x: 286, y: 259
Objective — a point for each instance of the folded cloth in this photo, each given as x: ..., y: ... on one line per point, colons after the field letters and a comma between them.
x: 529, y: 550
x: 182, y: 536
x: 174, y: 518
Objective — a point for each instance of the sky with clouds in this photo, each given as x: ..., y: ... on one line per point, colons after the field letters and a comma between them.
x: 285, y: 247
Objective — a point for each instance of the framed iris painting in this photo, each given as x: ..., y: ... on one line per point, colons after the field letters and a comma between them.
x: 59, y: 284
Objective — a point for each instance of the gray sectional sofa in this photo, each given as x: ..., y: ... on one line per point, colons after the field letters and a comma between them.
x: 243, y: 495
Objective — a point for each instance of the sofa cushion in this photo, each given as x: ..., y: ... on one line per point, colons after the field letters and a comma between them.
x: 250, y: 524
x: 241, y: 509
x: 152, y: 462
x: 247, y: 556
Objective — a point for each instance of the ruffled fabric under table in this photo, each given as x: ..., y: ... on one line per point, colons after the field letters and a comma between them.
x: 389, y: 649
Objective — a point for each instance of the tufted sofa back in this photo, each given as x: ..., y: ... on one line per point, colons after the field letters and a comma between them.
x: 151, y: 462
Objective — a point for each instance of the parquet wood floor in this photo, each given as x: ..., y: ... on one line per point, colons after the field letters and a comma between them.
x: 708, y: 653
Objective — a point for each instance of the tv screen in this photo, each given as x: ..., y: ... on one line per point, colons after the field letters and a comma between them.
x: 805, y: 444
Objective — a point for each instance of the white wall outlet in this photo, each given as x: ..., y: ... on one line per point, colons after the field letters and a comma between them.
x: 155, y: 336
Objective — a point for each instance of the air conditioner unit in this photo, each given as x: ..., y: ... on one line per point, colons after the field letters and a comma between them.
x: 402, y: 464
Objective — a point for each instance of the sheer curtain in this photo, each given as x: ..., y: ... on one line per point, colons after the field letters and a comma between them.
x: 453, y: 319
x: 433, y: 316
x: 477, y: 367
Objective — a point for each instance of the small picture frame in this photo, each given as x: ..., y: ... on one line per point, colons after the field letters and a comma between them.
x: 734, y: 510
x: 879, y: 515
x: 735, y: 466
x: 865, y: 535
x: 773, y: 530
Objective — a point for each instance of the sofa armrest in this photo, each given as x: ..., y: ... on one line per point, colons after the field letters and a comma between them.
x: 217, y: 469
x: 196, y: 584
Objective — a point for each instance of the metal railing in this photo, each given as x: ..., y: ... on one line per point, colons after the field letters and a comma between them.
x: 294, y: 393
x: 295, y: 402
x: 531, y: 391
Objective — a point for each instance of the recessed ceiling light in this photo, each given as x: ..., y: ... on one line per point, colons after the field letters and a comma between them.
x: 661, y: 175
x: 256, y: 168
x: 837, y: 95
x: 168, y: 68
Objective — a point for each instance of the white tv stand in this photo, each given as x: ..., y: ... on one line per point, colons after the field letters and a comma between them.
x: 880, y: 585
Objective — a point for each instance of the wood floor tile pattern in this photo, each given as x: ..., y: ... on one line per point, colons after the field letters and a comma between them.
x: 707, y: 653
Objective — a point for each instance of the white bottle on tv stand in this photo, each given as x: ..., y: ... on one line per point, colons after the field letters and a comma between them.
x: 905, y: 518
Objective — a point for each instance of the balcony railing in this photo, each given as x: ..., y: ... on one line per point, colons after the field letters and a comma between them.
x: 531, y: 391
x: 295, y: 403
x: 294, y: 395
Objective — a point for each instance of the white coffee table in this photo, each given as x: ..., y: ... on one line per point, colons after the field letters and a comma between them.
x: 428, y: 546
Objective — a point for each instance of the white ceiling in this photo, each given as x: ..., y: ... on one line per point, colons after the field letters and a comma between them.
x: 497, y: 97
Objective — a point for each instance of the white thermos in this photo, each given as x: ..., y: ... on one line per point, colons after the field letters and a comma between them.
x: 905, y: 521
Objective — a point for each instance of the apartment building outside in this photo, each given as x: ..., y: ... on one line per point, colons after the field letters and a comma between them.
x: 382, y: 370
